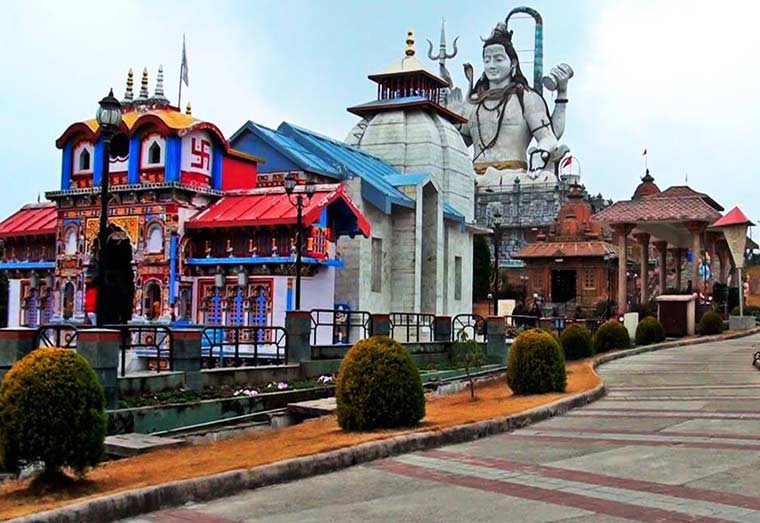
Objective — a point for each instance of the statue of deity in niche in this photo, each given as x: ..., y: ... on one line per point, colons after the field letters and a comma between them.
x: 505, y: 114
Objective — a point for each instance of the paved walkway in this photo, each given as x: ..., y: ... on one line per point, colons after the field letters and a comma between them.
x: 677, y: 439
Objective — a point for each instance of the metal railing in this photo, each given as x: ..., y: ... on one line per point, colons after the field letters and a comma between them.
x: 153, y: 341
x: 347, y: 326
x: 412, y: 326
x: 62, y: 335
x: 471, y: 325
x: 244, y: 345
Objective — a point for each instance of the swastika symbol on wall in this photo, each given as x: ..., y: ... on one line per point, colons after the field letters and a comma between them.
x: 201, y: 151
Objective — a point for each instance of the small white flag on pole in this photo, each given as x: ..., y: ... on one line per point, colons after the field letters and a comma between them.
x: 184, y: 72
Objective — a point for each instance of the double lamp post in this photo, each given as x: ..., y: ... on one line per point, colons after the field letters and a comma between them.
x: 298, y: 200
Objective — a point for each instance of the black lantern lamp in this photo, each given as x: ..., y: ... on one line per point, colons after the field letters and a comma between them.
x: 289, y: 184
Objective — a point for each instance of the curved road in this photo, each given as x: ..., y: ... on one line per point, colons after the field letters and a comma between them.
x: 676, y: 439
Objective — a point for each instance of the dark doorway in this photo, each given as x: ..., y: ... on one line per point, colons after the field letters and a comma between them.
x: 563, y: 286
x: 118, y: 282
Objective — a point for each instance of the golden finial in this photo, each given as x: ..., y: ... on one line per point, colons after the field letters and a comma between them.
x: 189, y: 109
x: 144, y: 84
x: 128, y: 95
x: 410, y: 43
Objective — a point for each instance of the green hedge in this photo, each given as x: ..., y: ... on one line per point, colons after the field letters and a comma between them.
x: 536, y: 364
x: 577, y: 342
x: 52, y: 410
x: 611, y: 335
x: 711, y: 323
x: 649, y: 330
x: 378, y: 386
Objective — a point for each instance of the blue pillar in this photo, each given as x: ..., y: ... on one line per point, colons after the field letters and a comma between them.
x: 172, y: 159
x: 133, y: 169
x: 172, y: 269
x: 98, y: 163
x: 216, y: 168
x: 66, y: 166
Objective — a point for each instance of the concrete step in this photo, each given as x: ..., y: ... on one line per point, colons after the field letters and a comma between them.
x: 133, y: 444
x: 313, y: 408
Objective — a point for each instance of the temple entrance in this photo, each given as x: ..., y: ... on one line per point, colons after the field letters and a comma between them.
x: 152, y: 300
x: 68, y: 300
x: 563, y: 286
x: 117, y: 283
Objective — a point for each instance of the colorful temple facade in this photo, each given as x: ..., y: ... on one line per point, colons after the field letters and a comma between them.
x: 205, y: 239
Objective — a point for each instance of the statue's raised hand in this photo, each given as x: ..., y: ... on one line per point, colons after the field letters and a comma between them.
x: 558, y: 78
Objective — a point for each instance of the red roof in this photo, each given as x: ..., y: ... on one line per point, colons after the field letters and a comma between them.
x: 271, y: 206
x: 32, y: 219
x: 734, y: 217
x: 654, y: 209
x: 585, y: 249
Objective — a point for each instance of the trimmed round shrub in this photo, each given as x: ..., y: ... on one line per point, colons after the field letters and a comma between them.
x: 52, y: 410
x: 711, y: 323
x: 649, y: 330
x: 379, y: 386
x: 611, y: 335
x: 536, y: 364
x: 577, y: 342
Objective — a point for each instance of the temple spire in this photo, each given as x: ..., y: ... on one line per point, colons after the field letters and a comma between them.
x: 410, y: 43
x: 159, y: 92
x: 129, y: 94
x: 144, y: 85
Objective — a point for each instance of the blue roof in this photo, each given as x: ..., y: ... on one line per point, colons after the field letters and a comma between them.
x: 452, y: 214
x: 390, y: 102
x: 399, y: 180
x: 301, y: 156
x: 354, y: 162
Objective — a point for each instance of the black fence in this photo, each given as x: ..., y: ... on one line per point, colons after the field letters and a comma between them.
x: 343, y: 326
x: 61, y: 335
x: 152, y: 341
x: 473, y: 326
x: 412, y: 326
x: 235, y: 346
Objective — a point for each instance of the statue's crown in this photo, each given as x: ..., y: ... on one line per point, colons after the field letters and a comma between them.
x: 499, y: 35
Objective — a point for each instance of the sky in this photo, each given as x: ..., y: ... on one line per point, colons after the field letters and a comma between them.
x: 678, y: 78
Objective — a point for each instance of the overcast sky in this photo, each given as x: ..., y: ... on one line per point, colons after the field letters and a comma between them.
x: 678, y: 78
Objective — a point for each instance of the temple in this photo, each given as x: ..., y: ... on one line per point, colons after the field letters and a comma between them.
x: 201, y: 238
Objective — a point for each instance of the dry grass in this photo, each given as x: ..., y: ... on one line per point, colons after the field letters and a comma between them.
x: 494, y: 399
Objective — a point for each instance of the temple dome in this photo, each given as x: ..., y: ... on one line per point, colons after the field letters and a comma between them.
x: 416, y: 140
x: 647, y: 187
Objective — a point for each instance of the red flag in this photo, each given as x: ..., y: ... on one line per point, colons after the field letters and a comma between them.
x: 567, y: 162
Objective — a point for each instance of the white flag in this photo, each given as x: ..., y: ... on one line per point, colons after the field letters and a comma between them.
x: 184, y: 74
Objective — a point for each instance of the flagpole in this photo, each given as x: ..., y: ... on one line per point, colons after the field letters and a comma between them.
x: 181, y: 65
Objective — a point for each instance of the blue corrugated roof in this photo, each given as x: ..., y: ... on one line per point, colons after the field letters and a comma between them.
x: 399, y: 180
x: 452, y: 214
x: 303, y: 157
x: 353, y: 162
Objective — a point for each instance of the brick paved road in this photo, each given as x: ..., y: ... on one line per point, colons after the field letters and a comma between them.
x: 677, y: 439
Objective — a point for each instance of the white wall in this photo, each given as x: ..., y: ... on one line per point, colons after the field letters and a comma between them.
x: 14, y: 303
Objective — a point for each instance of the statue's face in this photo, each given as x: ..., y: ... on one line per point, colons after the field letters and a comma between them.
x: 498, y: 66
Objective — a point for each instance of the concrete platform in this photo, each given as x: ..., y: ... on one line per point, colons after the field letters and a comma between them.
x: 126, y: 445
x: 314, y: 408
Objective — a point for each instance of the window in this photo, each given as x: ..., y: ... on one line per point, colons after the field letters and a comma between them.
x: 70, y: 246
x: 154, y: 153
x: 589, y: 279
x: 155, y: 243
x: 377, y: 264
x: 457, y: 277
x: 84, y: 160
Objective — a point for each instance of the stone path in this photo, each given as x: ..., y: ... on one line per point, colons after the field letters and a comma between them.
x: 676, y: 440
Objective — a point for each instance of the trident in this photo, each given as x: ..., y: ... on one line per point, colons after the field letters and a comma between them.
x: 442, y: 55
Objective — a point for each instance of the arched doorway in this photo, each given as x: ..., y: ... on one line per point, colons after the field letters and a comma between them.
x: 68, y: 300
x: 117, y: 283
x: 151, y: 305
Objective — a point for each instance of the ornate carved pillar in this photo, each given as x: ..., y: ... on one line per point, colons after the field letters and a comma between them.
x: 662, y: 250
x: 622, y: 230
x: 696, y: 229
x: 643, y: 239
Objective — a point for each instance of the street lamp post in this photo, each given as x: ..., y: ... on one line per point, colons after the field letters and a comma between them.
x: 496, y: 241
x: 289, y: 183
x: 109, y: 118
